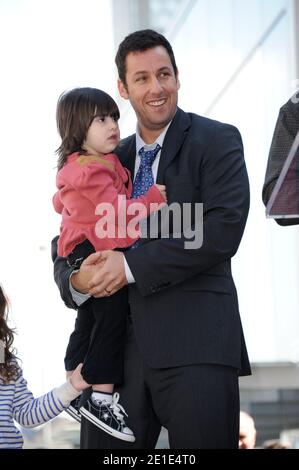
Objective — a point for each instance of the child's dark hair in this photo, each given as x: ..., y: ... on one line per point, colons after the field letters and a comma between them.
x: 8, y: 369
x: 141, y: 41
x: 75, y: 111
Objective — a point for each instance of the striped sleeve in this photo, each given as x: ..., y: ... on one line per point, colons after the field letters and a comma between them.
x: 30, y: 412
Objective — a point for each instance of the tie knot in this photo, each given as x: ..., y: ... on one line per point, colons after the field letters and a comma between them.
x: 148, y: 156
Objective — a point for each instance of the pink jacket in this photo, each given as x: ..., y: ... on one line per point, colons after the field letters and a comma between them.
x: 87, y: 181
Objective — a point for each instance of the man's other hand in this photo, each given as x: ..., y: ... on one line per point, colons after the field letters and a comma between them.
x: 109, y: 276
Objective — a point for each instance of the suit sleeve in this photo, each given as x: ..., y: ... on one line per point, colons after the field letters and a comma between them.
x: 225, y: 195
x: 285, y: 132
x: 62, y: 272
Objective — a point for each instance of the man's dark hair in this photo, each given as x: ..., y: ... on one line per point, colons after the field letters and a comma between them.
x: 141, y: 41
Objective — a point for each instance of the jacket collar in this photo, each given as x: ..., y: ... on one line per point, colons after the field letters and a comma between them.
x: 173, y: 141
x: 126, y: 151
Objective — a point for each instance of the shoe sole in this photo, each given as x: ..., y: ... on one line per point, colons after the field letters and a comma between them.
x: 73, y: 414
x: 104, y: 427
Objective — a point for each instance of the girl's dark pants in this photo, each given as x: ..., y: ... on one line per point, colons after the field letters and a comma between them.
x: 99, y: 334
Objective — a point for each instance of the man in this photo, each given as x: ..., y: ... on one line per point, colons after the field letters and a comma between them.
x: 286, y: 129
x: 185, y: 345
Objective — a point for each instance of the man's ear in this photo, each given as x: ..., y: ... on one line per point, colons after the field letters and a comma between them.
x: 122, y: 89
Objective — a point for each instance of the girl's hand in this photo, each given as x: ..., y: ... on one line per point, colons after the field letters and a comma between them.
x: 77, y: 380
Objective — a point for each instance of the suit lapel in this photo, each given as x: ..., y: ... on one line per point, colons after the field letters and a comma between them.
x: 173, y: 141
x: 126, y: 151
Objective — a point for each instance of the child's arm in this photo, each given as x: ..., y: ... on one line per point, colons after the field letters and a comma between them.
x: 30, y: 412
x: 95, y: 182
x: 151, y: 196
x: 58, y: 206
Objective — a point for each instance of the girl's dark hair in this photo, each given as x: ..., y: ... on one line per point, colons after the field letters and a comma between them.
x: 141, y: 41
x: 8, y: 369
x: 75, y: 111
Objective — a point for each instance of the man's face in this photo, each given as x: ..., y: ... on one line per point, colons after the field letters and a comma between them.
x: 151, y: 87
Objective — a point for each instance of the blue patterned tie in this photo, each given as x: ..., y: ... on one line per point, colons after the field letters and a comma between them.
x: 144, y: 178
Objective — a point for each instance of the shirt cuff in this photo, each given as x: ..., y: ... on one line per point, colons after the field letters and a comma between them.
x: 77, y: 297
x: 128, y: 272
x: 66, y: 393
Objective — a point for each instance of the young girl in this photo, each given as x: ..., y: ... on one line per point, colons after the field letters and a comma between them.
x: 90, y: 175
x: 16, y: 401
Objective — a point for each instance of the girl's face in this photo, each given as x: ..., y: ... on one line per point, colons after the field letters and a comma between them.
x: 102, y: 136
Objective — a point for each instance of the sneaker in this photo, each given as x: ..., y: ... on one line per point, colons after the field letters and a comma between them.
x: 109, y: 417
x: 73, y: 410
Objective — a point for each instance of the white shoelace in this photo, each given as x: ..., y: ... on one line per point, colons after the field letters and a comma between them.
x: 117, y: 408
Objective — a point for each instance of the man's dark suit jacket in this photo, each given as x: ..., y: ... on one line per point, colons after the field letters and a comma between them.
x: 184, y: 304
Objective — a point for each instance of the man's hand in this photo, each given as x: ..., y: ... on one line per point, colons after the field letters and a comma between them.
x: 81, y: 280
x: 109, y: 276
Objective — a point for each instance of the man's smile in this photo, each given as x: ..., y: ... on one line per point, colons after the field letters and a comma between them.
x: 157, y: 103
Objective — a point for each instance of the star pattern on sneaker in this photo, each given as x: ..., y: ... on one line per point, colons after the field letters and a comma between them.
x: 109, y: 417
